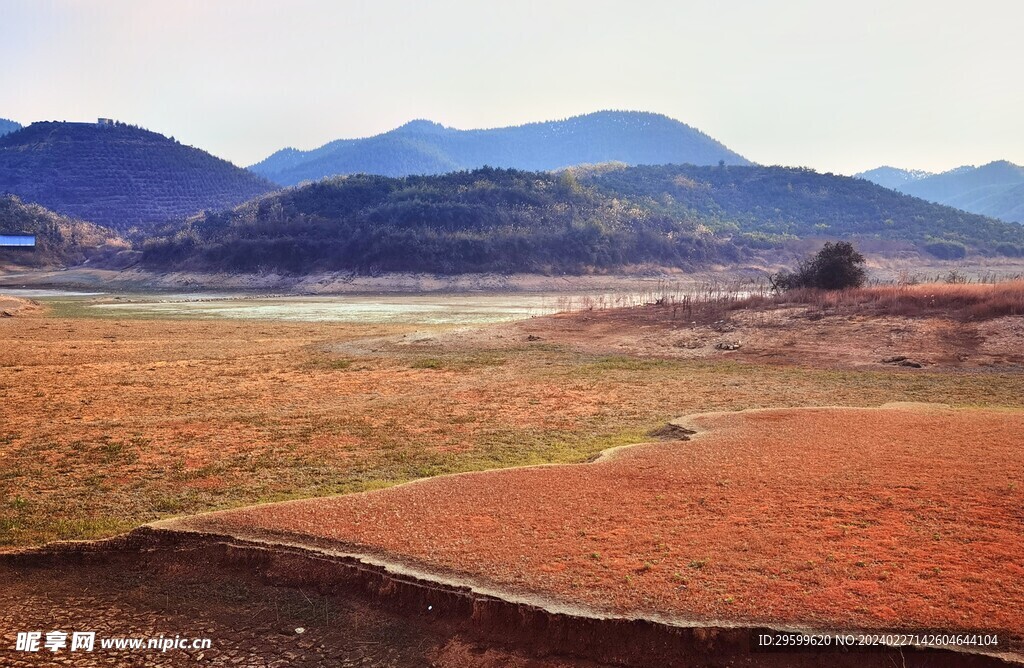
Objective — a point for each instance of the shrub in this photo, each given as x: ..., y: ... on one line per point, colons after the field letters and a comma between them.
x: 1010, y: 250
x: 837, y: 266
x: 946, y: 250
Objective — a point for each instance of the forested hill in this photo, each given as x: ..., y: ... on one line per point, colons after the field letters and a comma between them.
x: 119, y: 176
x: 423, y: 147
x: 772, y: 204
x: 609, y: 217
x: 7, y: 126
x: 60, y: 240
x: 488, y: 220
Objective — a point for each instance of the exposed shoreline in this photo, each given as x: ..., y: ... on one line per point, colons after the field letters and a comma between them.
x: 328, y: 283
x: 347, y: 282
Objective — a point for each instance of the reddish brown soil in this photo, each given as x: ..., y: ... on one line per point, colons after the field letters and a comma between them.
x: 250, y: 622
x: 14, y: 306
x: 873, y: 518
x: 803, y: 335
x: 106, y: 424
x: 277, y: 606
x: 824, y: 517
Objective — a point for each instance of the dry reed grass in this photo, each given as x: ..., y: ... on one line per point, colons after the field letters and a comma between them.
x: 960, y: 301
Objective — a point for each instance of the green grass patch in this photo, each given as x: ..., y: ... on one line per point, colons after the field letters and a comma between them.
x: 427, y: 363
x: 626, y: 363
x: 466, y: 362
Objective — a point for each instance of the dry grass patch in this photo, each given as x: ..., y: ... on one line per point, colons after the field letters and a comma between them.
x: 110, y: 423
x: 975, y: 301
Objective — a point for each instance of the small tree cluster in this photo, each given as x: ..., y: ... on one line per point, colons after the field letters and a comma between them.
x: 945, y: 249
x: 836, y: 266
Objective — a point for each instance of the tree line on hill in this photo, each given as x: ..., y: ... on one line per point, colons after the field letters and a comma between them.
x: 487, y: 220
x: 577, y: 220
x: 995, y: 189
x: 60, y: 240
x: 8, y: 126
x: 765, y: 206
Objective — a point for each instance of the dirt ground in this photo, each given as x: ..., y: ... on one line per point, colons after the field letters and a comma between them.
x: 13, y: 306
x: 327, y: 283
x: 841, y: 518
x: 255, y: 605
x: 109, y: 423
x: 791, y: 335
x: 250, y: 623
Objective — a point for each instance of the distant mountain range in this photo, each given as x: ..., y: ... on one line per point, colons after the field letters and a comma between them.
x: 424, y: 147
x: 601, y: 217
x: 7, y: 126
x: 995, y: 189
x: 118, y: 175
x: 188, y: 209
x: 893, y: 177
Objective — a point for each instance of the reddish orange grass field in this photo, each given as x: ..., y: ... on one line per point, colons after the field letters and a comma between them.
x: 844, y: 518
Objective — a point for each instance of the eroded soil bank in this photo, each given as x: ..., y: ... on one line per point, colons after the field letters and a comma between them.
x: 250, y: 598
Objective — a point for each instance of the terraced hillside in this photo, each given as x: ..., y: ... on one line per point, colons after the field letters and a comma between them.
x: 118, y: 175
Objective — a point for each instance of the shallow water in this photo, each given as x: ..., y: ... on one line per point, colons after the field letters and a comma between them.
x: 418, y: 309
x: 395, y: 308
x: 32, y: 293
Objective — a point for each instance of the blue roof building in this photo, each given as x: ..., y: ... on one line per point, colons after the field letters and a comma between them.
x: 17, y: 240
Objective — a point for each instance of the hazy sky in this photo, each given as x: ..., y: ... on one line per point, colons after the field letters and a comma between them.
x: 838, y: 85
